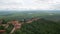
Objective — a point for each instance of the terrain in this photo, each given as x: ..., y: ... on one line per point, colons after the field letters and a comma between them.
x: 32, y: 22
x: 20, y: 15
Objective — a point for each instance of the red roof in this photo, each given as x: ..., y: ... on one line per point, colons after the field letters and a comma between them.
x: 1, y: 31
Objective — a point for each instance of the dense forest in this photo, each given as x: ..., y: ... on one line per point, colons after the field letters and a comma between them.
x: 40, y: 26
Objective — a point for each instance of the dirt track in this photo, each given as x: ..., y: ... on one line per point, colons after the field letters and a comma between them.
x: 30, y: 21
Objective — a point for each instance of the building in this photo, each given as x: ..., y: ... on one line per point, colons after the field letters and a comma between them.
x: 16, y: 24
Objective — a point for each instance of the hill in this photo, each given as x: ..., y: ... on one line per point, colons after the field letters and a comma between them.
x: 41, y: 26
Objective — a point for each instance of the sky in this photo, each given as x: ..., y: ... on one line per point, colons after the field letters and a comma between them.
x: 29, y: 4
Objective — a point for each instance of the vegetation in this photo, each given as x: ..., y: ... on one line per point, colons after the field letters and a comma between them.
x: 8, y: 30
x: 11, y: 15
x: 41, y: 26
x: 49, y: 22
x: 1, y: 27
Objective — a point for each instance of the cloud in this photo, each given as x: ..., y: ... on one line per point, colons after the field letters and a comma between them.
x: 56, y: 6
x: 29, y: 4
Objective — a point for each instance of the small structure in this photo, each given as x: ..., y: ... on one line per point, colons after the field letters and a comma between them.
x: 14, y: 22
x: 17, y: 25
x: 2, y: 31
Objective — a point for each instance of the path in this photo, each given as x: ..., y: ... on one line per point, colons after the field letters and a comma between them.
x: 12, y: 30
x: 18, y: 26
x: 30, y: 21
x: 5, y: 25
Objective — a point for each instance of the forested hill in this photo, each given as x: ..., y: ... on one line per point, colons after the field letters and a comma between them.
x: 40, y: 26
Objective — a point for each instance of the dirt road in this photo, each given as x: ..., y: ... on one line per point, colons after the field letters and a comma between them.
x: 18, y: 26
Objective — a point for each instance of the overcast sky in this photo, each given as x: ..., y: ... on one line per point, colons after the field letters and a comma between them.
x: 29, y: 4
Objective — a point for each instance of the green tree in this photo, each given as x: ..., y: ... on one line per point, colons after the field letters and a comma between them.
x: 1, y: 27
x: 4, y: 21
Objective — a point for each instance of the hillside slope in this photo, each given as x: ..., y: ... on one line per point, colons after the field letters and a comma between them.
x: 40, y: 26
